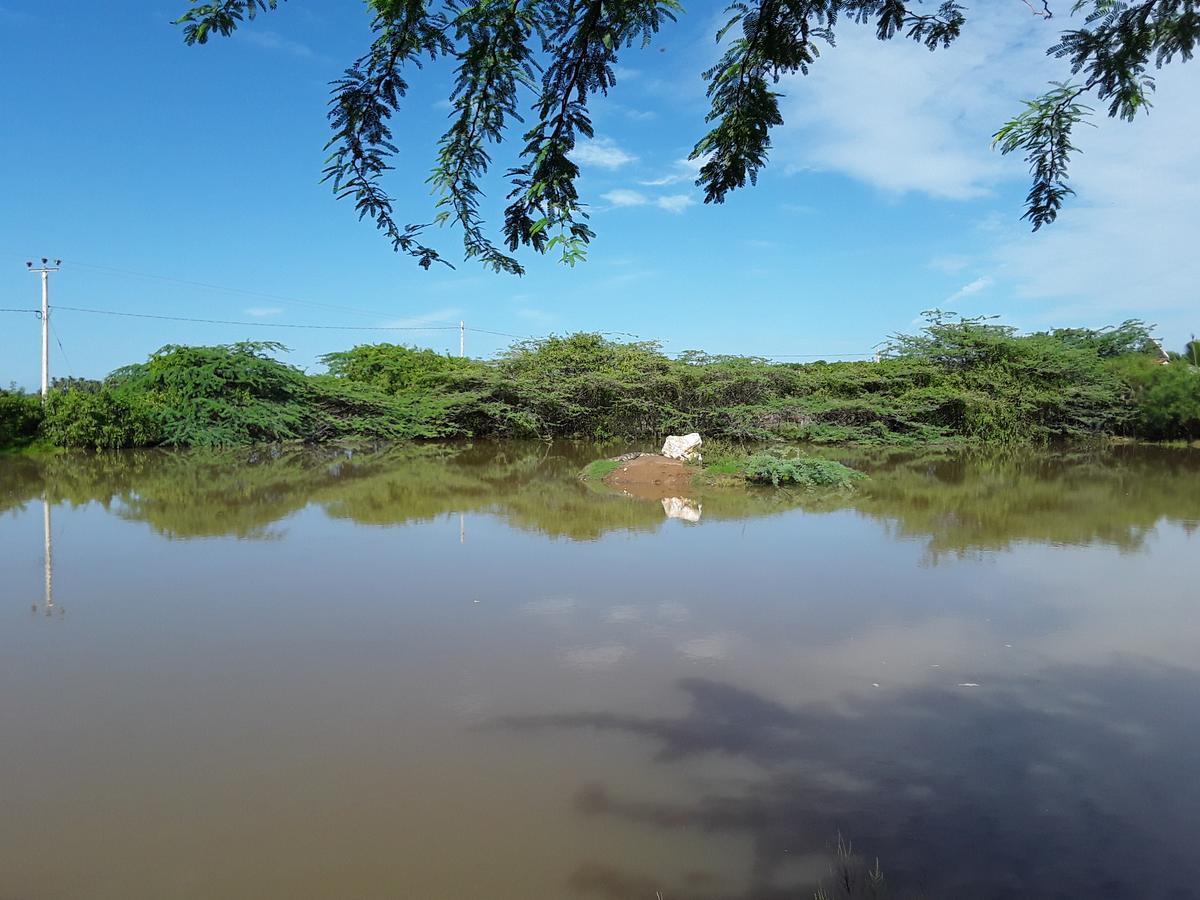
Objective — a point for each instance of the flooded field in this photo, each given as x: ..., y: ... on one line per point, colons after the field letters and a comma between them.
x: 462, y: 673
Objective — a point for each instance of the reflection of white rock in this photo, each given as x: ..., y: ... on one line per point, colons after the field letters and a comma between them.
x: 685, y: 446
x: 594, y: 659
x: 682, y: 508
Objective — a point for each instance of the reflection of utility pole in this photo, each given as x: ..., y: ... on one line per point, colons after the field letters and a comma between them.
x: 462, y: 529
x: 45, y: 271
x: 49, y: 601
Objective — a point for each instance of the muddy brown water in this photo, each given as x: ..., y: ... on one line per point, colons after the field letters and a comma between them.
x: 461, y: 673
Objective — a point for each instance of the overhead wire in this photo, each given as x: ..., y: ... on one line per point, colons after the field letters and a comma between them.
x: 282, y: 298
x: 62, y: 349
x: 133, y: 315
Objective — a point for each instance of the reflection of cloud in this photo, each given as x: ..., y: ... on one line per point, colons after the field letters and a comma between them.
x: 1077, y: 781
x: 619, y: 615
x: 673, y: 611
x: 595, y: 658
x: 709, y: 647
x: 550, y: 607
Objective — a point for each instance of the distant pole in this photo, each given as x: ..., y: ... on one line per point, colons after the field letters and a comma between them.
x: 44, y: 270
x: 1195, y: 350
x: 462, y: 338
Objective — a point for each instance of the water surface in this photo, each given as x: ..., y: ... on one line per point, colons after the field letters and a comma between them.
x: 461, y: 673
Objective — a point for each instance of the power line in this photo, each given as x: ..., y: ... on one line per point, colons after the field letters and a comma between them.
x: 283, y: 298
x: 132, y: 315
x: 63, y: 350
x: 36, y: 312
x: 519, y: 337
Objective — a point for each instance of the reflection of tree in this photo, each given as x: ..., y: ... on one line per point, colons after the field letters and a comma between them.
x: 957, y: 502
x: 1079, y: 783
x: 969, y: 501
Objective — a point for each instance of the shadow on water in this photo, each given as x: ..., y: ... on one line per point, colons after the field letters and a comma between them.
x: 986, y: 792
x: 957, y: 502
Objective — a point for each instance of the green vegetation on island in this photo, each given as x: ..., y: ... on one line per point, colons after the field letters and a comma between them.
x: 957, y: 380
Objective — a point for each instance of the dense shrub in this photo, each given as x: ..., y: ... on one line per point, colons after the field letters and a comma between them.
x: 219, y: 396
x: 1166, y: 397
x: 105, y: 420
x: 804, y: 471
x: 955, y: 379
x: 20, y: 418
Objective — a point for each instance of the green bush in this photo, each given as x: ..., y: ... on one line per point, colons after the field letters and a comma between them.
x: 101, y: 421
x: 20, y: 418
x: 392, y: 368
x: 957, y: 379
x: 220, y: 396
x: 807, y: 472
x: 1166, y: 397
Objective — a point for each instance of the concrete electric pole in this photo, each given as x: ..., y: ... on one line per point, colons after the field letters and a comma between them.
x: 44, y: 270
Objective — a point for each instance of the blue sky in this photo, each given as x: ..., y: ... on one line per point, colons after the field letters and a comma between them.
x: 130, y: 155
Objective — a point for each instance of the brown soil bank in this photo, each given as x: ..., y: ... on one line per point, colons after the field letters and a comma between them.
x: 652, y: 476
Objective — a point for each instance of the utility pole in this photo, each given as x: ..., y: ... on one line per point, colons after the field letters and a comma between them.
x: 49, y: 557
x: 462, y: 338
x: 1195, y: 352
x: 44, y: 270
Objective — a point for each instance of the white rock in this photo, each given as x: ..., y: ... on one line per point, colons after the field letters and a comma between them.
x: 682, y: 446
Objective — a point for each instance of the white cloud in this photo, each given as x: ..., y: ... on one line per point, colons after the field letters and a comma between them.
x: 683, y: 170
x: 971, y: 287
x: 438, y: 317
x: 625, y: 197
x: 903, y: 119
x: 950, y: 263
x: 273, y: 40
x: 675, y: 203
x: 602, y: 152
x: 1125, y: 246
x: 262, y: 312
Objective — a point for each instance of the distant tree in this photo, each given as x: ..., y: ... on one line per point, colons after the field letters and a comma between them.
x: 73, y: 383
x: 1191, y: 351
x: 564, y: 51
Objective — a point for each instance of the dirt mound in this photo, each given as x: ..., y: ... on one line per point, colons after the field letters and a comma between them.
x: 652, y: 477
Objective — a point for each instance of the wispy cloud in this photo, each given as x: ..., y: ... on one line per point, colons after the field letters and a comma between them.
x: 672, y: 203
x: 625, y: 197
x: 273, y: 40
x: 681, y: 170
x: 263, y: 312
x: 972, y: 287
x: 14, y: 16
x: 447, y: 317
x: 602, y: 152
x: 950, y: 263
x: 903, y: 119
x: 675, y: 203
